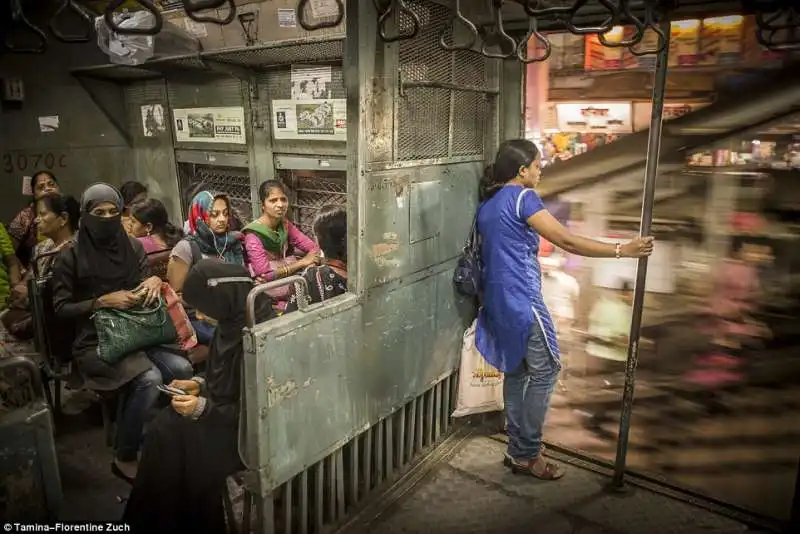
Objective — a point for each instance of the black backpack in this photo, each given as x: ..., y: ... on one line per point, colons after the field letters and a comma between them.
x: 467, y: 275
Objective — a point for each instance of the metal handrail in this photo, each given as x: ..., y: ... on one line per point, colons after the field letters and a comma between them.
x: 146, y: 5
x: 32, y: 369
x: 301, y: 287
x: 18, y: 17
x: 458, y: 17
x: 81, y: 13
x: 301, y: 7
x: 192, y: 7
x: 500, y: 32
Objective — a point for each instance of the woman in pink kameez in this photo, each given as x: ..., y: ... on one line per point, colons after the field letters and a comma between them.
x: 272, y: 242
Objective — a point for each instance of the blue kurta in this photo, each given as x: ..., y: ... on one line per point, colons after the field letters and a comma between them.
x: 512, y: 279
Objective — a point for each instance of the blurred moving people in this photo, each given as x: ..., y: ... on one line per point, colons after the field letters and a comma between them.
x: 515, y: 332
x: 609, y: 331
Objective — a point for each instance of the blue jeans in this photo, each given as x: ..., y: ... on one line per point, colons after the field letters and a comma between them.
x: 204, y: 331
x: 141, y: 396
x: 527, y: 391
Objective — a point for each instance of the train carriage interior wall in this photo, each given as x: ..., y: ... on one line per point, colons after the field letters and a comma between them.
x: 390, y: 110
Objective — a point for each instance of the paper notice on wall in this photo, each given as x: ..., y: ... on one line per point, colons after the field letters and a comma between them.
x: 27, y: 186
x: 311, y: 83
x: 153, y: 120
x: 287, y: 18
x: 210, y: 125
x: 322, y: 120
x: 48, y: 124
x: 324, y: 8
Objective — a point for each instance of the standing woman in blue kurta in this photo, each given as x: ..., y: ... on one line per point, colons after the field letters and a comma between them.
x: 515, y: 332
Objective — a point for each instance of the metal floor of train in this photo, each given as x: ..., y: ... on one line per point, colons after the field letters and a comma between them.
x: 460, y: 488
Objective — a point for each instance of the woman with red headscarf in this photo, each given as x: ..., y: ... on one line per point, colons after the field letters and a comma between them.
x: 209, y: 236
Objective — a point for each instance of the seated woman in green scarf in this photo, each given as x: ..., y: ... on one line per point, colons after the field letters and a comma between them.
x: 272, y: 242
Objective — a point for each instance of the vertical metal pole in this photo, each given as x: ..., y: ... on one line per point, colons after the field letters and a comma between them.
x: 794, y: 517
x: 648, y: 196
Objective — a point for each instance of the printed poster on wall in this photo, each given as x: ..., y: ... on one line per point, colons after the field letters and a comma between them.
x: 311, y: 83
x: 153, y: 122
x: 210, y: 125
x: 320, y: 120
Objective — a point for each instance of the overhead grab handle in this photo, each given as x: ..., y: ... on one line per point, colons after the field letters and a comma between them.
x: 301, y: 17
x: 500, y: 33
x: 525, y: 45
x: 608, y: 23
x: 147, y: 5
x: 19, y: 18
x: 399, y: 9
x: 458, y: 18
x: 639, y: 26
x: 533, y: 9
x: 78, y: 11
x: 652, y: 20
x: 192, y: 7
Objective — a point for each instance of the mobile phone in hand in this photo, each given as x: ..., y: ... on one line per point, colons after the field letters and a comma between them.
x: 171, y: 391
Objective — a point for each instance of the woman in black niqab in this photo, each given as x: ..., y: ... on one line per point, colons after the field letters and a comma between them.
x: 192, y: 446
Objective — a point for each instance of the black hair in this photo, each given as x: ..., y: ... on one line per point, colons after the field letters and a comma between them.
x: 269, y: 185
x: 152, y: 211
x: 511, y: 156
x: 330, y: 229
x: 37, y: 174
x: 130, y: 190
x: 60, y: 204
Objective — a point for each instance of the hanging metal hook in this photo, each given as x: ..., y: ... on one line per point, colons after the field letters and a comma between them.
x: 532, y: 10
x: 401, y: 8
x: 608, y: 23
x: 500, y: 32
x: 320, y: 25
x: 81, y: 13
x: 652, y: 20
x: 18, y: 17
x: 458, y: 17
x: 525, y: 44
x: 637, y: 24
x: 193, y: 7
x: 146, y: 4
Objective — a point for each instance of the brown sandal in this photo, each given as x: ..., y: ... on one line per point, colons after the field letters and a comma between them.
x: 538, y: 468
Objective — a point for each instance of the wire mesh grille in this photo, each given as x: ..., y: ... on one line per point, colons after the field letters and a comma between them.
x: 233, y: 181
x: 425, y: 114
x: 312, y: 191
x: 469, y: 123
x: 260, y: 58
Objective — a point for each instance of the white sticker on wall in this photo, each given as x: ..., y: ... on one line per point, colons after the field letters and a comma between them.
x: 48, y: 124
x: 27, y: 186
x: 195, y: 29
x: 287, y: 18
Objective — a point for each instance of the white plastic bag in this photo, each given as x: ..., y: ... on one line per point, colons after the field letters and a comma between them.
x: 126, y: 49
x: 480, y: 386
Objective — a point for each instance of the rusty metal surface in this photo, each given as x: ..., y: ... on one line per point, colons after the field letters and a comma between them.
x: 473, y: 493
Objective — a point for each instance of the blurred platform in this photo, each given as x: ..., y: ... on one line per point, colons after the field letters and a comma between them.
x: 471, y: 492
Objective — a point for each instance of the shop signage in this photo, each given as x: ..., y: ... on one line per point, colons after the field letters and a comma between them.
x: 721, y: 40
x: 684, y: 46
x: 672, y: 110
x: 602, y: 117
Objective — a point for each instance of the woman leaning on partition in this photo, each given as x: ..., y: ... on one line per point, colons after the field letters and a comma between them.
x: 515, y: 332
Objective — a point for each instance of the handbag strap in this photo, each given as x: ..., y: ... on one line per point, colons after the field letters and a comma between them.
x: 320, y: 285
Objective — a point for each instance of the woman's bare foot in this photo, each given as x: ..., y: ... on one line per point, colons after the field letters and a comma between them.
x: 127, y: 468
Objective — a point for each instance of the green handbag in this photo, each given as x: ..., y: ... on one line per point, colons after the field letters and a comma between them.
x: 123, y: 332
